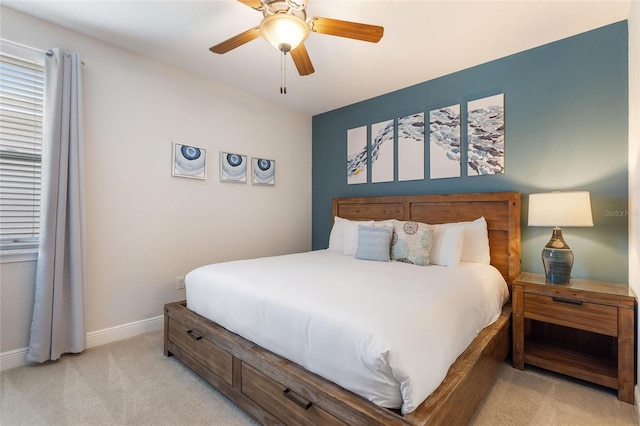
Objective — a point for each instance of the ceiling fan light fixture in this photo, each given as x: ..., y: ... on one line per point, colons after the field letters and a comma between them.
x: 284, y: 31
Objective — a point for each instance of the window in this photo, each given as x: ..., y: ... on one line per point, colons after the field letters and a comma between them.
x: 21, y: 105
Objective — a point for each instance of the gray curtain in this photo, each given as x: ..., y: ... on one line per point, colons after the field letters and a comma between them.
x: 58, y: 324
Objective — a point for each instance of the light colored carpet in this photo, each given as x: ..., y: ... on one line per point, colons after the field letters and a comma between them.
x: 541, y: 398
x: 131, y: 382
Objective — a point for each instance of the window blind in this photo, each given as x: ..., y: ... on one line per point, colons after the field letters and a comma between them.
x: 21, y: 106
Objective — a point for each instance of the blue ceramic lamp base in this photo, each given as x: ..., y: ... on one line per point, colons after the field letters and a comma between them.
x: 557, y: 258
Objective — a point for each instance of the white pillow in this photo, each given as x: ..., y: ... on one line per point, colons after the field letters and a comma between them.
x: 475, y: 243
x: 384, y: 223
x: 335, y: 237
x: 350, y: 235
x: 337, y: 232
x: 475, y: 247
x: 447, y: 245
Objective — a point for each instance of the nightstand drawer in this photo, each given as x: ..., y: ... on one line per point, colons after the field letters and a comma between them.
x: 572, y: 313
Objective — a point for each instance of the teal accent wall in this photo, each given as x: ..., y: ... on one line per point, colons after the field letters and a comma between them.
x: 566, y: 128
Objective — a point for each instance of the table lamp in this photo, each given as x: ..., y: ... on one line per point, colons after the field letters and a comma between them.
x: 559, y: 209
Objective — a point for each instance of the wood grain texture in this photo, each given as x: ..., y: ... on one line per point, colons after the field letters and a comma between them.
x: 583, y: 316
x: 302, y: 60
x: 355, y: 30
x: 626, y: 357
x: 584, y: 330
x: 215, y: 359
x: 236, y: 41
x: 600, y: 290
x: 595, y: 343
x: 453, y: 402
x: 517, y: 300
x: 254, y: 4
x: 269, y: 393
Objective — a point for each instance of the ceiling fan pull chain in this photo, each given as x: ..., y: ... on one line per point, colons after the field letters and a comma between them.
x: 283, y: 74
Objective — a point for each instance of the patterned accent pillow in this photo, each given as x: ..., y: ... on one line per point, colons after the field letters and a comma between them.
x: 411, y: 242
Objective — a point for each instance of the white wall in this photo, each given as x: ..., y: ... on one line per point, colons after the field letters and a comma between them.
x: 634, y: 159
x: 145, y: 227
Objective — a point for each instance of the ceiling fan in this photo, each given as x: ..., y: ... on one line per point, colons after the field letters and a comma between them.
x: 285, y: 26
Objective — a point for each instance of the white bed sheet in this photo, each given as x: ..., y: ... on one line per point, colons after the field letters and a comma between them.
x: 387, y: 331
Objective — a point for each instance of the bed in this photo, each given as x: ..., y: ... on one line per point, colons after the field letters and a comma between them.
x: 274, y: 389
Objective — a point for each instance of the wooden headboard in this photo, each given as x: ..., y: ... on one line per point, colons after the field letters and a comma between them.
x: 501, y: 210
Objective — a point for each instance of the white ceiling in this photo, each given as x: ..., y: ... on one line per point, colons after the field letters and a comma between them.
x: 422, y: 40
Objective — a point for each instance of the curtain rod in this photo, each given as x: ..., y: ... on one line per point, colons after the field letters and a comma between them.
x: 49, y: 52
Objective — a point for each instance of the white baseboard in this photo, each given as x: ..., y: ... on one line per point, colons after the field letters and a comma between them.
x: 13, y: 359
x: 18, y: 357
x: 113, y: 334
x: 636, y: 393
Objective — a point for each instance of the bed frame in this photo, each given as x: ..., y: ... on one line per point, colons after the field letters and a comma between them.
x: 275, y: 391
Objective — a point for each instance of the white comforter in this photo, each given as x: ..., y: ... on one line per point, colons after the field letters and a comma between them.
x: 387, y: 331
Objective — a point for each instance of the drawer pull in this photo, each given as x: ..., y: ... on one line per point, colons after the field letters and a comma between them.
x: 302, y: 404
x: 570, y: 302
x: 194, y: 335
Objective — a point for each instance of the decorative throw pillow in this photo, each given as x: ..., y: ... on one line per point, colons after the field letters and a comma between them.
x: 411, y: 242
x: 374, y: 243
x: 350, y: 235
x: 447, y: 245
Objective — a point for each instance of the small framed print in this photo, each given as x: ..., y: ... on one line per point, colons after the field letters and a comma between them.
x: 233, y: 167
x: 189, y: 161
x: 263, y: 171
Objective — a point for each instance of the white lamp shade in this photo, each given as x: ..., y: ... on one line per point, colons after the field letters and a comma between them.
x: 560, y: 209
x: 284, y: 29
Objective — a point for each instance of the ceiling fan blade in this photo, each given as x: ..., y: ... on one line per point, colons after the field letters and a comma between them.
x: 355, y: 30
x: 301, y: 59
x: 255, y: 4
x: 236, y: 41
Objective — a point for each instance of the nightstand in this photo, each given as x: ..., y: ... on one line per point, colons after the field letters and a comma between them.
x: 585, y: 330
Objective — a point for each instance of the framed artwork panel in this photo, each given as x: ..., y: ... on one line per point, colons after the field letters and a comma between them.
x: 411, y: 147
x: 189, y: 161
x: 263, y: 171
x: 444, y: 142
x: 485, y: 136
x: 357, y: 155
x: 382, y: 139
x: 233, y: 167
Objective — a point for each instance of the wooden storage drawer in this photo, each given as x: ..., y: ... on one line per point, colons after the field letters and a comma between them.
x: 286, y: 405
x: 215, y: 359
x: 572, y: 313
